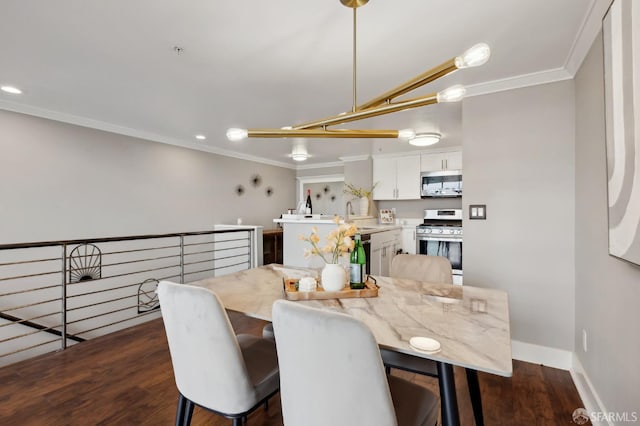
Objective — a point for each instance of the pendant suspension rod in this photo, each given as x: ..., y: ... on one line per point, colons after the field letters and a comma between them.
x: 353, y: 108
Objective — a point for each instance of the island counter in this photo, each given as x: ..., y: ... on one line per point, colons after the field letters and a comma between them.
x: 293, y: 228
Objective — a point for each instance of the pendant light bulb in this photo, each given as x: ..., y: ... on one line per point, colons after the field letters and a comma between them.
x: 452, y: 94
x: 474, y: 56
x: 235, y: 134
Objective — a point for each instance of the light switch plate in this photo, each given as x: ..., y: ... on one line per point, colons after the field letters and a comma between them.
x: 478, y: 211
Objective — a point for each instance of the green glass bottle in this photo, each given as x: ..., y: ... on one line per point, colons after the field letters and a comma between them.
x: 357, y: 264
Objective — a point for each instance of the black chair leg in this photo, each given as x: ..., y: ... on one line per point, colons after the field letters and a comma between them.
x: 237, y: 421
x: 180, y: 411
x: 266, y: 404
x: 387, y: 369
x: 474, y: 393
x: 188, y: 412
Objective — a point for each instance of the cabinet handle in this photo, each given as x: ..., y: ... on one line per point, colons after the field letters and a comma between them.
x: 414, y: 235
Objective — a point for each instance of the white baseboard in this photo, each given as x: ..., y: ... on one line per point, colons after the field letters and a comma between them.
x: 536, y: 354
x: 590, y: 399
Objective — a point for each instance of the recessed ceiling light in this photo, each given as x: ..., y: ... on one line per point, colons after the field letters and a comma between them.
x: 11, y: 89
x: 201, y: 137
x: 299, y: 152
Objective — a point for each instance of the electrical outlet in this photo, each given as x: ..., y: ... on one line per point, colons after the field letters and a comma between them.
x: 584, y: 340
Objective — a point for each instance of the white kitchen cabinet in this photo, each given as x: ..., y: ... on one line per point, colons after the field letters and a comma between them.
x: 397, y: 178
x: 384, y: 176
x: 409, y: 239
x: 451, y: 160
x: 384, y: 246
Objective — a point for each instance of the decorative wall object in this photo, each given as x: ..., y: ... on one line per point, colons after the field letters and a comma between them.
x: 239, y: 190
x: 147, y: 297
x: 85, y: 263
x: 256, y: 180
x: 269, y: 191
x: 621, y: 35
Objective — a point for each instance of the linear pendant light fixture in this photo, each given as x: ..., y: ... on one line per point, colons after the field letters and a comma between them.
x: 380, y: 105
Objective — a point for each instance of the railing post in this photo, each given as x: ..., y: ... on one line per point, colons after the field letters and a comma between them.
x: 63, y: 334
x: 252, y: 252
x: 181, y: 259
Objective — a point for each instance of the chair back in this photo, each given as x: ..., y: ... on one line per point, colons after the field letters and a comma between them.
x: 207, y: 361
x: 331, y: 372
x: 435, y: 269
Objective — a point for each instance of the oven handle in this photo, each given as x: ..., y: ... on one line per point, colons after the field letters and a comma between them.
x: 443, y: 239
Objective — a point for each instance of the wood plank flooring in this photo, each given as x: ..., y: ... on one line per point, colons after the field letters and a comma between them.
x: 126, y: 378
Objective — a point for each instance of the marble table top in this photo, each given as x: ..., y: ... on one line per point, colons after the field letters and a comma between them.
x: 471, y: 323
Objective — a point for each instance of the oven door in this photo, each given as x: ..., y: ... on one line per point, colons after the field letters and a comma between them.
x: 449, y: 247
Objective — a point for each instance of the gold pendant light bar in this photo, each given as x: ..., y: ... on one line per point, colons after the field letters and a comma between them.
x: 380, y: 105
x: 372, y: 112
x: 427, y: 77
x: 321, y: 133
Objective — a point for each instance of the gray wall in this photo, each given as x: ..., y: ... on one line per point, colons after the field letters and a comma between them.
x: 60, y: 181
x: 519, y: 161
x: 607, y: 289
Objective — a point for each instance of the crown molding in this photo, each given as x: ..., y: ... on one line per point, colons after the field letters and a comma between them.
x: 352, y: 158
x: 517, y: 82
x: 589, y: 30
x: 320, y: 165
x: 438, y: 150
x: 126, y: 131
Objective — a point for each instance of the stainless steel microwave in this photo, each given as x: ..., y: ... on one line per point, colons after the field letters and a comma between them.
x: 445, y: 183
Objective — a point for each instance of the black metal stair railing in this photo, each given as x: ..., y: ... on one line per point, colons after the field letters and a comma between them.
x: 59, y: 293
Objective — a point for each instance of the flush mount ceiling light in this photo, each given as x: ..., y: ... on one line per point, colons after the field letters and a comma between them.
x: 380, y: 105
x: 200, y: 137
x: 425, y: 139
x: 11, y: 89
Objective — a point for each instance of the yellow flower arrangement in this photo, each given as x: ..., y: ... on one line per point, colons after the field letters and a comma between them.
x: 339, y: 242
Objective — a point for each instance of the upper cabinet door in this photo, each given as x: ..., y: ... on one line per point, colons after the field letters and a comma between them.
x: 384, y: 176
x: 431, y: 162
x: 451, y: 160
x: 454, y: 160
x: 408, y: 178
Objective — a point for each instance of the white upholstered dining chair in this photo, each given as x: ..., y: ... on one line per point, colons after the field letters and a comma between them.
x: 331, y: 374
x: 213, y: 368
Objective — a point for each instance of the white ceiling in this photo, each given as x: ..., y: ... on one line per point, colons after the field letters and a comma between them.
x: 111, y: 64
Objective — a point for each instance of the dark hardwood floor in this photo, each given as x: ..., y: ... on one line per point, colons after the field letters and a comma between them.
x: 126, y: 379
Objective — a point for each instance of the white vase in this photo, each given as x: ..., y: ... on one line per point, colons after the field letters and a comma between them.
x: 364, y: 206
x: 334, y: 277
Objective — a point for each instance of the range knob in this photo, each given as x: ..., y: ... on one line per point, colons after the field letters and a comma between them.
x: 439, y: 231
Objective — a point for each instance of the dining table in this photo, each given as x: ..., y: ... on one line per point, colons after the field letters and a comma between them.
x: 470, y: 323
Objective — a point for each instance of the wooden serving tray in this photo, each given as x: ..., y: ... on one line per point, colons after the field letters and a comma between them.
x: 291, y: 292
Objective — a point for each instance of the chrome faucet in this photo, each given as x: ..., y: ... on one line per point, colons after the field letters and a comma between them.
x: 349, y: 211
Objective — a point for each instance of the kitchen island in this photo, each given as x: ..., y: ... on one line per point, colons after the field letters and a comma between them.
x: 294, y: 226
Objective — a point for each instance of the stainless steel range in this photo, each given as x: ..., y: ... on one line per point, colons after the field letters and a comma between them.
x: 441, y: 235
